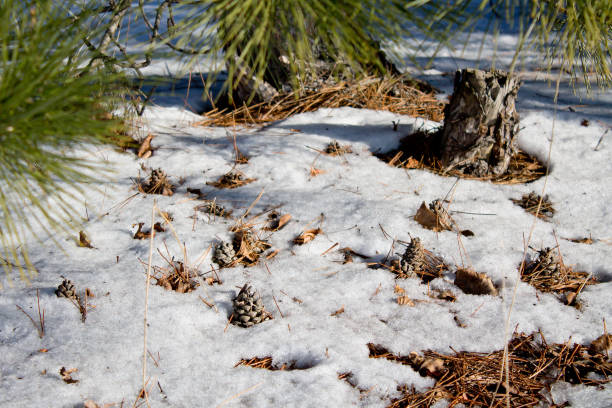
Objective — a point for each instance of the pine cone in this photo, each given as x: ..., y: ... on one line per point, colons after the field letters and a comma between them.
x: 547, y: 262
x: 413, y: 260
x: 443, y: 217
x: 248, y: 308
x: 158, y: 183
x: 224, y: 254
x: 66, y: 289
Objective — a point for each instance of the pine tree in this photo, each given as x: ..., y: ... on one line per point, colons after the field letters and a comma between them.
x: 49, y: 104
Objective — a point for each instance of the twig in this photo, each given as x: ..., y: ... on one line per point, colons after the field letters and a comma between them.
x: 144, y: 354
x: 279, y: 311
x: 600, y: 140
x: 40, y: 327
x: 239, y: 394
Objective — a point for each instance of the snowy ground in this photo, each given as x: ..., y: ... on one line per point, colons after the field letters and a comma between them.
x: 192, y: 348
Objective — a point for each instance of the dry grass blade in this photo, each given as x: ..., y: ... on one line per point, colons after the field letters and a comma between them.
x: 248, y: 247
x: 473, y: 378
x: 394, y: 94
x: 40, y: 327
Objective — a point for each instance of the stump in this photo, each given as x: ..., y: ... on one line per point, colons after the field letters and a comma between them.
x: 481, y: 123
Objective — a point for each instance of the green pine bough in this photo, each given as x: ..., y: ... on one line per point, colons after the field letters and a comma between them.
x: 50, y: 103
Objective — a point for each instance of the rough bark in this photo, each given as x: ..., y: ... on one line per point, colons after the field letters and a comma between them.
x: 481, y: 123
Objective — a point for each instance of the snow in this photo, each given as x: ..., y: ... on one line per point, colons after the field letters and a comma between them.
x: 192, y: 348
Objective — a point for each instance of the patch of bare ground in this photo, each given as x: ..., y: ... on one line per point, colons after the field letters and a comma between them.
x: 475, y: 379
x: 421, y: 150
x: 398, y: 94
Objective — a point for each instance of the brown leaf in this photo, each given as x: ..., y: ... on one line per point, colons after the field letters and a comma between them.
x: 432, y: 367
x: 89, y: 293
x: 314, y: 172
x: 398, y: 289
x: 474, y: 283
x: 602, y: 344
x: 140, y: 234
x: 446, y: 295
x: 145, y: 150
x: 84, y: 240
x: 43, y: 350
x: 272, y: 254
x: 412, y: 163
x: 426, y: 217
x: 158, y: 227
x: 405, y: 301
x: 66, y: 375
x: 276, y: 223
x: 585, y: 240
x: 338, y: 312
x: 90, y: 404
x: 467, y: 233
x: 584, y: 123
x: 307, y: 236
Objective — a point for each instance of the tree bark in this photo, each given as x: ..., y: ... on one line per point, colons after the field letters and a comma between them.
x: 481, y: 123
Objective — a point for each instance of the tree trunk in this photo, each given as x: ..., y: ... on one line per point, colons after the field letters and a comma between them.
x: 481, y: 123
x: 277, y: 77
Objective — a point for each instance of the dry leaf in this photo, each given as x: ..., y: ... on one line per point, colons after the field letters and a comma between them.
x: 398, y: 289
x: 601, y: 345
x: 158, y: 227
x: 588, y: 241
x: 446, y: 295
x: 211, y: 281
x: 272, y: 254
x: 474, y: 283
x: 467, y: 233
x: 405, y: 301
x: 412, y: 163
x: 307, y: 236
x: 432, y: 367
x: 145, y: 151
x: 90, y: 404
x: 338, y: 312
x: 427, y: 218
x: 43, y: 350
x: 276, y: 223
x: 314, y: 172
x: 89, y: 293
x: 66, y: 375
x: 84, y: 240
x: 140, y: 234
